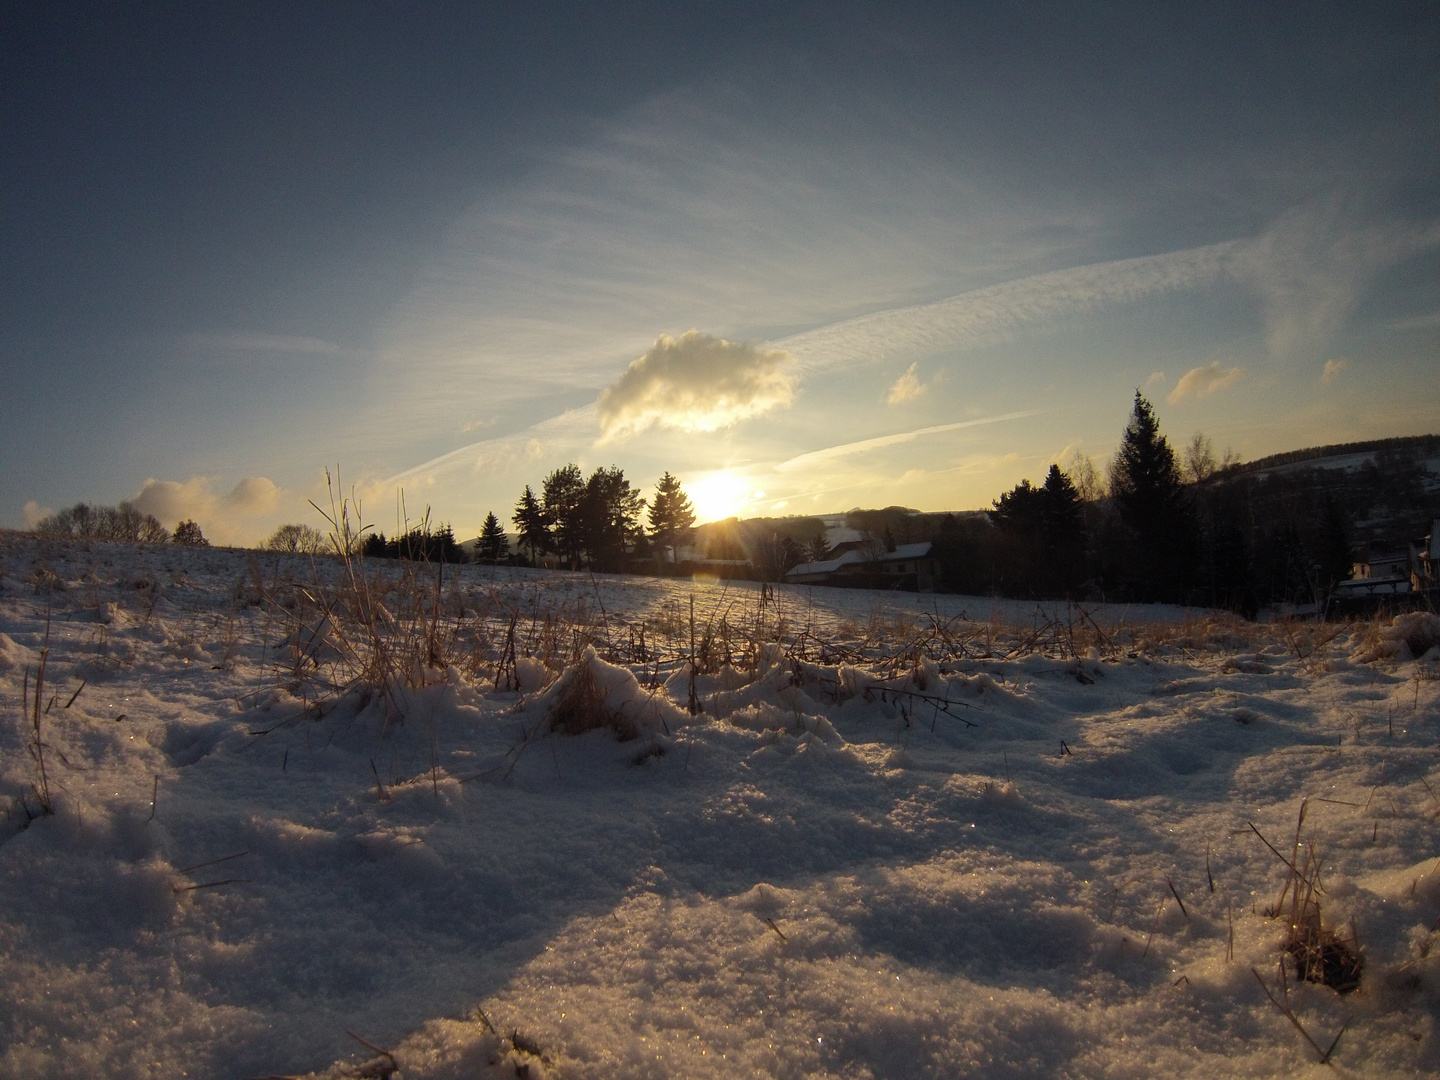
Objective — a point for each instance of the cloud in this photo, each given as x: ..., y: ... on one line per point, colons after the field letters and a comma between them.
x: 695, y: 383
x: 1313, y: 266
x: 907, y: 387
x: 993, y: 314
x: 1333, y: 369
x: 221, y: 517
x: 565, y: 434
x: 280, y: 343
x: 829, y: 453
x: 34, y: 513
x: 1310, y: 268
x: 1157, y: 378
x: 1204, y: 381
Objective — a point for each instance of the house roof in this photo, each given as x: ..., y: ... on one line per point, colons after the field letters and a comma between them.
x: 854, y: 557
x: 906, y: 551
x: 828, y: 566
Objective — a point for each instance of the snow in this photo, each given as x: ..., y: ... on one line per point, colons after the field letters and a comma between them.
x: 907, y: 836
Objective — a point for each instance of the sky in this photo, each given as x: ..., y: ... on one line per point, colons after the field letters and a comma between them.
x: 806, y: 257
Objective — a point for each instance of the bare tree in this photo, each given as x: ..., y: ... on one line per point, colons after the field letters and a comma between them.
x: 1086, y: 478
x: 1200, y: 459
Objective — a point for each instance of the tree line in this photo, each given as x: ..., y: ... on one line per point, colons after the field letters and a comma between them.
x: 593, y: 521
x: 125, y: 523
x: 1183, y: 527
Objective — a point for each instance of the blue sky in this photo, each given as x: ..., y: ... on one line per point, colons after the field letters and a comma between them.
x: 804, y: 256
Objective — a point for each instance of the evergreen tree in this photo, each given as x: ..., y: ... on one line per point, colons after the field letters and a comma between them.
x: 1062, y: 533
x: 188, y: 532
x: 562, y: 507
x: 610, y: 516
x: 529, y: 519
x: 493, y: 547
x: 1145, y: 483
x: 671, y: 514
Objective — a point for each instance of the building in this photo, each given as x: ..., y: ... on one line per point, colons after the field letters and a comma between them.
x: 910, y: 568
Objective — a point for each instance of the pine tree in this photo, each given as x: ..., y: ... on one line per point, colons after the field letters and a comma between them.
x: 562, y: 504
x: 610, y: 515
x: 529, y: 519
x: 1062, y: 533
x: 1145, y: 483
x: 188, y: 532
x: 671, y: 514
x: 818, y: 549
x: 493, y: 547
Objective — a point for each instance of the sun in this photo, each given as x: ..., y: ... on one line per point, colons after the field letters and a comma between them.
x: 719, y: 495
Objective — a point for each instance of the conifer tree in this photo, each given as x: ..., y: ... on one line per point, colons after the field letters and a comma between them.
x: 529, y: 518
x: 493, y: 546
x: 1145, y: 483
x: 562, y: 504
x: 188, y: 532
x: 671, y: 514
x: 610, y: 515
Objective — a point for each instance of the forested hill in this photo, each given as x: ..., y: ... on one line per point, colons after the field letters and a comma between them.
x: 1425, y: 445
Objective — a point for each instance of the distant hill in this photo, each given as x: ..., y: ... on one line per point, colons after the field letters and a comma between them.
x: 1341, y: 455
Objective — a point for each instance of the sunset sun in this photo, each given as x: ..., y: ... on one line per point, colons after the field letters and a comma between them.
x: 720, y: 495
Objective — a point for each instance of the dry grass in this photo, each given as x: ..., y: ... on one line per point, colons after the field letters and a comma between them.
x: 1319, y: 954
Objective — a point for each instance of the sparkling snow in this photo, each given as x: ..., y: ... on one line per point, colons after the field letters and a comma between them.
x: 857, y: 861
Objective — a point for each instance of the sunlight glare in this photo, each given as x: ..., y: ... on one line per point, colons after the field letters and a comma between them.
x: 718, y: 495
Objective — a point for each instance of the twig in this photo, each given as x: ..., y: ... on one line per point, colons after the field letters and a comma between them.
x: 212, y: 862
x: 1175, y: 894
x: 76, y: 693
x: 1289, y: 1014
x: 379, y: 787
x: 208, y: 884
x: 771, y: 923
x: 371, y: 1046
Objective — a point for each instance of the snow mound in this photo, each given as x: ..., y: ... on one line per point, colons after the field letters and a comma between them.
x: 591, y: 694
x: 1416, y: 631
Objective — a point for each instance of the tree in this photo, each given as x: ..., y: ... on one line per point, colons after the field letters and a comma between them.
x: 610, y: 516
x: 561, y: 501
x: 296, y: 539
x: 188, y: 532
x: 1062, y: 533
x: 126, y: 523
x: 493, y: 546
x: 1199, y: 459
x: 671, y: 514
x: 1145, y: 483
x: 817, y: 549
x: 529, y: 518
x: 1086, y: 478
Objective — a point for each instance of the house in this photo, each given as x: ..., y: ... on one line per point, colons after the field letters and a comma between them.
x: 1389, y: 579
x: 910, y: 567
x: 1425, y: 561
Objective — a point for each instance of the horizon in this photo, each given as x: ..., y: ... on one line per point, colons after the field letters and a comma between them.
x: 802, y: 258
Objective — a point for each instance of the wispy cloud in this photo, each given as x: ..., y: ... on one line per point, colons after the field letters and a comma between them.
x: 277, y: 343
x: 1333, y: 368
x: 556, y: 437
x: 695, y: 383
x: 1314, y: 264
x: 1204, y: 381
x: 993, y: 314
x: 830, y: 453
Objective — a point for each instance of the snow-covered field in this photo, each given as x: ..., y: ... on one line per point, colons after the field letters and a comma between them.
x: 905, y: 837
